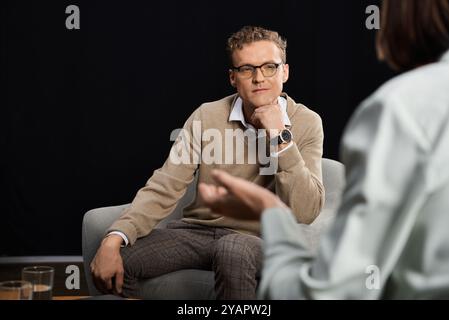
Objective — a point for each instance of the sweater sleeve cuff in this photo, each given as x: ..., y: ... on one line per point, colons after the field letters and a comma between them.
x: 122, y: 235
x: 126, y: 228
x: 290, y: 158
x: 276, y: 154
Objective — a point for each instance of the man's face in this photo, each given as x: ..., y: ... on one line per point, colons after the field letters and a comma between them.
x: 258, y: 90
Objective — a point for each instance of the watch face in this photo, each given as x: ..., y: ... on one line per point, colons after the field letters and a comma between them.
x: 286, y: 135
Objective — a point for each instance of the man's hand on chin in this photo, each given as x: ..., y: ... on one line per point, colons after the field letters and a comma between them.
x: 268, y: 117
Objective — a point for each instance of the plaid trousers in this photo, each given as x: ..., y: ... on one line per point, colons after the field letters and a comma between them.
x: 235, y: 258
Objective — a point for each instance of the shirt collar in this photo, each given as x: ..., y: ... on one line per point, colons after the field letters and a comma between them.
x: 237, y: 113
x: 445, y: 56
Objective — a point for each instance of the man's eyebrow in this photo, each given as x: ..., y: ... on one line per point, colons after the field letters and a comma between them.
x: 252, y: 65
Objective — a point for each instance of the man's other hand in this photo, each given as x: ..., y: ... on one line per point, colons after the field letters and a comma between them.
x: 108, y: 266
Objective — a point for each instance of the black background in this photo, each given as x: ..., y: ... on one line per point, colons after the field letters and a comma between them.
x: 86, y: 115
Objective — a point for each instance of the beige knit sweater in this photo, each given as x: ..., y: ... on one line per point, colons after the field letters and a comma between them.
x: 298, y: 180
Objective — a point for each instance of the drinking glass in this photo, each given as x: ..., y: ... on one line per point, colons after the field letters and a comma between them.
x: 16, y: 290
x: 42, y: 278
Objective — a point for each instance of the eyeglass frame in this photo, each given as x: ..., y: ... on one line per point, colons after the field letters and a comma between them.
x: 237, y: 69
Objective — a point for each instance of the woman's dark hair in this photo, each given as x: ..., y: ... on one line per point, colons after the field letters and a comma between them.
x: 413, y: 32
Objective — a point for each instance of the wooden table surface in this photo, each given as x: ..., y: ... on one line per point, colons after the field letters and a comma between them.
x: 69, y: 297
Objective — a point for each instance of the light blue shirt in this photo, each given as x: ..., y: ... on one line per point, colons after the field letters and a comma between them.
x: 390, y: 238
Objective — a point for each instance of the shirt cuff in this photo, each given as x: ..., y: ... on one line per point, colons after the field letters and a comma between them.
x: 276, y: 154
x: 121, y: 234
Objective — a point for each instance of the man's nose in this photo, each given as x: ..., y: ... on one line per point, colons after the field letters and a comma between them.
x: 258, y: 76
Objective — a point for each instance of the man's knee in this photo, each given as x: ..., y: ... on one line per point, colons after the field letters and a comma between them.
x: 132, y: 264
x: 238, y: 249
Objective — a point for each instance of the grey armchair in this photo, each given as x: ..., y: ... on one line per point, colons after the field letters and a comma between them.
x: 199, y: 284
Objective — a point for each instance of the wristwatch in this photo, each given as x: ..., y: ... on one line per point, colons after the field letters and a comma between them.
x: 285, y: 136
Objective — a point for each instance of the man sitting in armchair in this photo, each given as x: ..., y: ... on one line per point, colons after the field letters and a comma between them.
x: 133, y: 249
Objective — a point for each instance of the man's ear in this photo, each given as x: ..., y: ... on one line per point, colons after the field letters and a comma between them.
x: 232, y: 78
x: 285, y: 73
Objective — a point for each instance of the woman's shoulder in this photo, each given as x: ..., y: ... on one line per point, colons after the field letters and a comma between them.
x: 417, y: 100
x: 417, y: 86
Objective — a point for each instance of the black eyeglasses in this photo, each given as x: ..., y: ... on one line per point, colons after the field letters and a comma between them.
x: 247, y: 71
